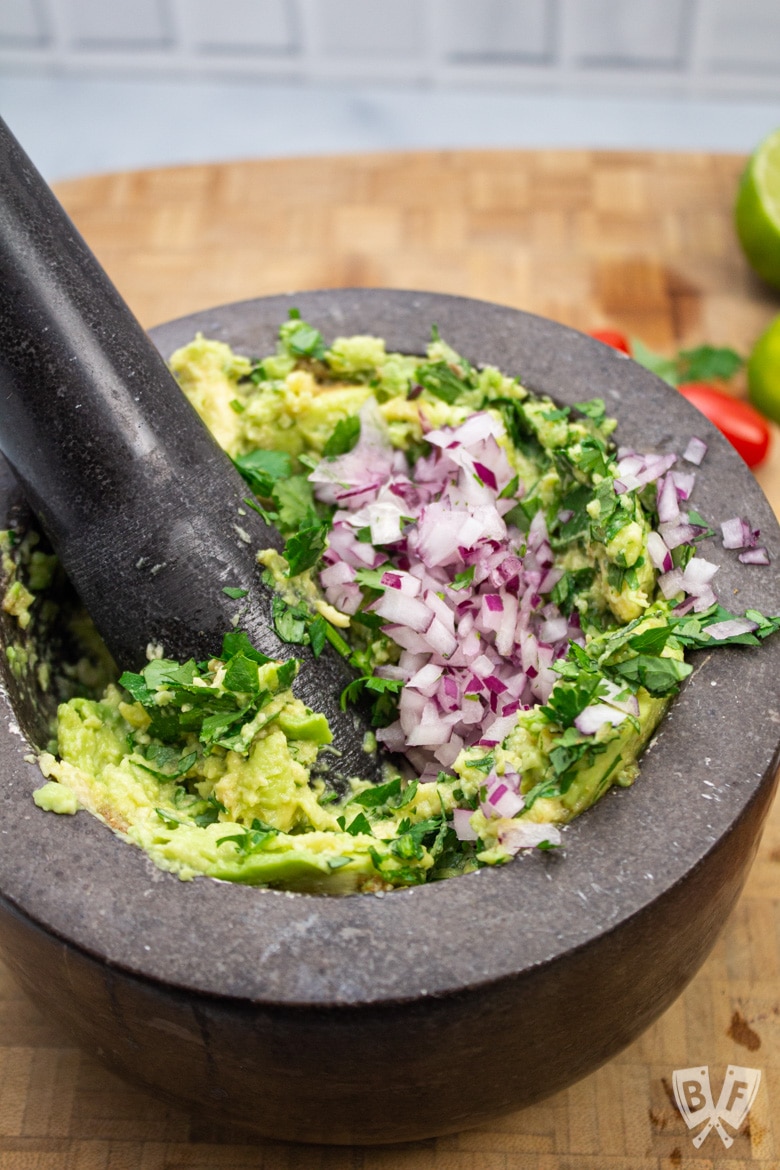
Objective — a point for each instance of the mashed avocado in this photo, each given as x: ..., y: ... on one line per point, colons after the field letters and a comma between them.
x: 216, y: 768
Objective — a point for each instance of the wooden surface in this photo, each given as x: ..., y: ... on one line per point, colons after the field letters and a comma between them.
x: 641, y: 242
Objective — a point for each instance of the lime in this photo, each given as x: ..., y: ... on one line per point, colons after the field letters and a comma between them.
x: 763, y: 372
x: 757, y: 210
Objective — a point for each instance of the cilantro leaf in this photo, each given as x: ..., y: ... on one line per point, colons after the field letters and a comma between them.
x: 359, y: 824
x: 700, y: 364
x: 664, y: 367
x: 300, y: 339
x: 371, y: 578
x: 210, y: 815
x: 384, y: 707
x: 251, y: 840
x: 463, y: 579
x: 136, y: 685
x: 650, y: 641
x: 294, y: 499
x: 708, y: 361
x: 304, y: 548
x: 593, y: 408
x: 262, y: 469
x: 569, y: 698
x: 378, y: 795
x: 441, y: 381
x: 290, y: 621
x: 344, y: 437
x: 235, y: 593
x: 238, y: 642
x: 318, y: 635
x: 659, y: 676
x: 485, y: 763
x: 241, y: 675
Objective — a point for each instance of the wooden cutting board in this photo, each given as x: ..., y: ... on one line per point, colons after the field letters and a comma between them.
x: 639, y: 242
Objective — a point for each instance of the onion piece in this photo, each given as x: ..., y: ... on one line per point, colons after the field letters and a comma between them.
x: 660, y: 556
x: 525, y: 834
x: 695, y: 451
x: 461, y: 822
x: 731, y: 628
x: 404, y: 610
x: 597, y: 715
x: 755, y: 556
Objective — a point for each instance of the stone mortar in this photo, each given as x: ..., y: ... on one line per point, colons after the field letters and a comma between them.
x: 375, y: 1019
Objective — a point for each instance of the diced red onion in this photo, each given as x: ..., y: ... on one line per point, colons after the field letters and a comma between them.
x: 461, y: 822
x: 660, y: 556
x: 697, y: 575
x: 407, y: 611
x: 684, y: 481
x: 671, y: 583
x: 695, y: 451
x: 524, y: 834
x: 755, y: 556
x: 704, y: 600
x: 597, y: 715
x: 731, y: 628
x: 678, y: 533
x: 668, y: 505
x: 503, y: 801
x: 338, y: 574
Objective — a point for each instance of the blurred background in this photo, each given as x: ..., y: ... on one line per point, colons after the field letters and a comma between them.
x: 97, y: 85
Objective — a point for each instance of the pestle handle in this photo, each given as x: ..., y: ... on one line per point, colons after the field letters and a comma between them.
x: 142, y: 506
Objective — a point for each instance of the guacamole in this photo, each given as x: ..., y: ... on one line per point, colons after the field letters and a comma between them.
x: 488, y: 563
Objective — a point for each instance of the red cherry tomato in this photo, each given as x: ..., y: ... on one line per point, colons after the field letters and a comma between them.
x: 743, y: 426
x: 613, y: 338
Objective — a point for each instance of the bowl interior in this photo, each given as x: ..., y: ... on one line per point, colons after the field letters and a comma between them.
x: 706, y: 764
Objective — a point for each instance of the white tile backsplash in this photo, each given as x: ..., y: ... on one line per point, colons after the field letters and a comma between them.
x: 745, y: 35
x: 378, y: 28
x: 631, y: 32
x: 115, y: 24
x: 22, y: 24
x: 702, y: 48
x: 498, y: 30
x: 241, y: 25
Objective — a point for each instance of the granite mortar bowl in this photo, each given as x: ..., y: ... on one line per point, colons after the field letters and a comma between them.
x: 372, y: 1019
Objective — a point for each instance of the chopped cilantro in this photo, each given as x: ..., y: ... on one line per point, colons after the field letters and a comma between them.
x: 659, y: 676
x: 594, y: 409
x: 701, y: 364
x: 238, y: 642
x: 344, y: 437
x: 290, y: 621
x: 235, y: 593
x: 358, y: 824
x: 485, y: 763
x: 301, y: 339
x: 384, y: 706
x: 371, y: 578
x: 169, y: 819
x: 318, y: 635
x: 210, y: 815
x: 463, y: 579
x: 379, y: 795
x: 251, y: 840
x: 263, y: 469
x: 440, y: 380
x: 294, y: 500
x: 708, y: 361
x: 303, y: 549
